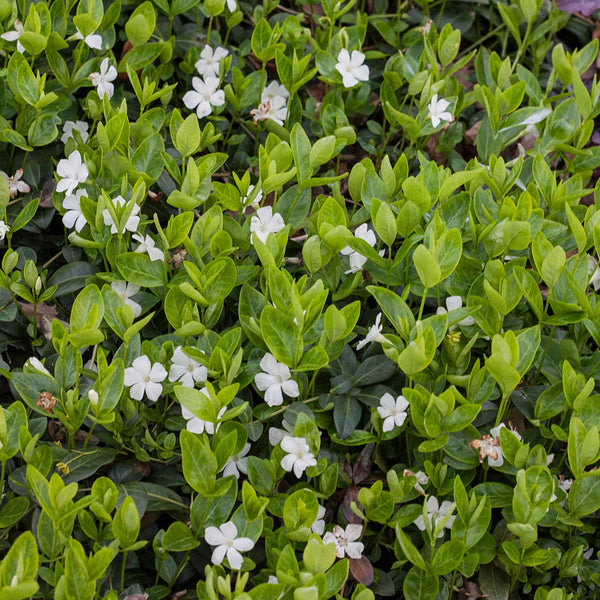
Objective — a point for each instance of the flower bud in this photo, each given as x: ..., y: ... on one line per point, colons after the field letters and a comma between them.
x: 93, y: 397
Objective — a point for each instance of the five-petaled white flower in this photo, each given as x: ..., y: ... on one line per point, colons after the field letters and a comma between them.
x: 351, y: 68
x: 93, y: 40
x: 489, y: 445
x: 74, y: 217
x: 13, y: 36
x: 357, y: 260
x: 148, y: 245
x: 454, y: 303
x: 186, y: 370
x: 593, y: 272
x: 225, y: 538
x: 318, y: 526
x: 72, y: 171
x: 204, y: 96
x: 437, y: 110
x: 126, y: 291
x: 275, y: 110
x: 4, y: 229
x: 275, y: 379
x: 143, y: 377
x: 264, y: 222
x: 274, y: 90
x: 345, y: 540
x: 208, y: 63
x: 15, y: 185
x: 434, y: 513
x: 103, y: 79
x: 256, y: 202
x: 374, y: 334
x: 70, y: 126
x: 198, y: 425
x: 237, y: 463
x: 298, y: 455
x: 393, y: 412
x: 132, y: 222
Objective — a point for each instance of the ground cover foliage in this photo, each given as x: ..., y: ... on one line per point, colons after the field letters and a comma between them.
x: 299, y: 301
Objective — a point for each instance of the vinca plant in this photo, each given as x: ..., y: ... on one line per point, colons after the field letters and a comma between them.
x: 299, y: 301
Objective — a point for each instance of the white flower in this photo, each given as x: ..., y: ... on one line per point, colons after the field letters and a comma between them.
x: 274, y: 90
x: 374, y: 334
x: 74, y: 217
x: 70, y: 126
x: 298, y: 455
x: 275, y: 110
x: 565, y: 484
x: 275, y: 379
x: 438, y: 112
x: 362, y: 232
x: 357, y: 260
x: 132, y: 222
x: 318, y: 526
x: 15, y: 185
x: 227, y: 542
x: 256, y: 202
x: 4, y: 229
x: 148, y: 245
x: 594, y: 272
x: 276, y: 434
x: 198, y: 425
x: 237, y: 463
x: 93, y: 40
x: 231, y: 5
x: 126, y: 291
x: 434, y: 513
x: 103, y: 80
x: 204, y: 96
x: 13, y: 36
x: 143, y: 377
x: 186, y: 370
x: 208, y: 63
x: 72, y: 171
x: 422, y: 479
x: 93, y: 397
x: 489, y: 445
x: 36, y: 363
x: 393, y: 412
x: 264, y: 222
x: 345, y: 541
x: 351, y: 68
x: 454, y: 303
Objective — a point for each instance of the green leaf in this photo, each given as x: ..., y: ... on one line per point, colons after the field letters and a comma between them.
x: 346, y: 415
x: 199, y: 463
x: 139, y: 269
x: 420, y: 585
x: 179, y: 538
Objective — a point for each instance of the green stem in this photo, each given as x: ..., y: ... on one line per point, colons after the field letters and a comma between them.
x: 123, y: 570
x: 422, y: 307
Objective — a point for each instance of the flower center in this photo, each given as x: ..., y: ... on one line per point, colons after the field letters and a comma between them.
x: 229, y: 543
x: 190, y: 368
x: 146, y: 379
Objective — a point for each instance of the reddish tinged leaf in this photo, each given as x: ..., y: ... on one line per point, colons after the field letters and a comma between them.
x: 362, y: 570
x: 585, y: 7
x: 350, y: 496
x: 470, y: 591
x: 362, y: 466
x: 46, y: 194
